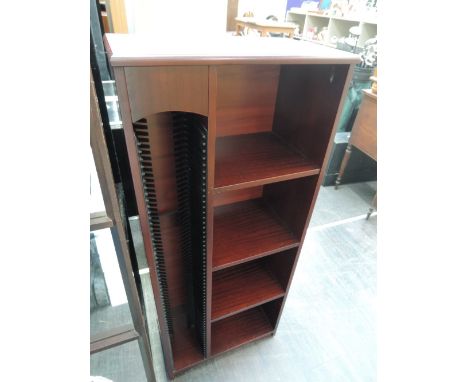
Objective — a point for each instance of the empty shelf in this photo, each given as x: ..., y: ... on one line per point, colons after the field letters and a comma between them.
x: 245, y: 231
x: 243, y: 287
x: 255, y: 159
x: 239, y: 329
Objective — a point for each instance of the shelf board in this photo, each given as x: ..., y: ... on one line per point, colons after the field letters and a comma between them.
x: 245, y: 231
x: 254, y: 159
x: 240, y: 329
x: 241, y: 288
x: 185, y: 347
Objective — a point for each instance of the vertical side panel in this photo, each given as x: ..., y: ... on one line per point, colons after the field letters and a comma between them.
x: 212, y: 94
x: 137, y: 183
x: 291, y: 200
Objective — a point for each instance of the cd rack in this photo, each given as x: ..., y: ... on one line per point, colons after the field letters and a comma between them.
x: 190, y: 149
x: 231, y: 152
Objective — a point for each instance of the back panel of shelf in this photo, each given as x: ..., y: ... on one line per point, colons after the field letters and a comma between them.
x: 244, y: 327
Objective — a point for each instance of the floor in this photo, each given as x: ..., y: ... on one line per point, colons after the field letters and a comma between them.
x: 327, y: 330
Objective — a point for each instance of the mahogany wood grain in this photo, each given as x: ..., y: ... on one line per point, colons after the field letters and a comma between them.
x: 308, y: 125
x: 272, y: 310
x: 269, y: 134
x: 290, y: 201
x: 240, y: 329
x: 246, y: 98
x: 242, y: 287
x: 157, y: 89
x: 235, y: 196
x: 280, y: 264
x: 248, y: 230
x: 255, y: 159
x: 187, y: 351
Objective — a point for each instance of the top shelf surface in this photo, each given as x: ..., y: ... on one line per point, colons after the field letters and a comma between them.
x: 250, y: 160
x: 147, y: 50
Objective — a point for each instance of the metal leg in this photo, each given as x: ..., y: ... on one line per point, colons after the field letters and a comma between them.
x: 344, y: 163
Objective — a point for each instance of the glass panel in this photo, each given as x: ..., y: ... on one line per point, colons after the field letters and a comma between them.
x: 108, y: 300
x: 138, y: 244
x: 118, y: 364
x: 96, y: 202
x: 112, y: 104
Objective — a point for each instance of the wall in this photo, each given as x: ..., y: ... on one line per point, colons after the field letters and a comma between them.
x: 182, y: 17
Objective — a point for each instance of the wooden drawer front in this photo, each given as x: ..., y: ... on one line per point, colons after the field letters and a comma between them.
x: 364, y: 135
x: 167, y: 88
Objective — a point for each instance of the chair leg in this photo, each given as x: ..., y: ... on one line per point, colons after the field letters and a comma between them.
x: 374, y: 206
x: 344, y: 163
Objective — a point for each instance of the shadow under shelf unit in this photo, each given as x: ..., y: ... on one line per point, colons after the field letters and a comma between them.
x: 227, y: 152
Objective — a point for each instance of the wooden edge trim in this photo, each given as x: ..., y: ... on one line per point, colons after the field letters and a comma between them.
x: 212, y: 105
x: 195, y: 60
x: 112, y: 340
x: 99, y: 220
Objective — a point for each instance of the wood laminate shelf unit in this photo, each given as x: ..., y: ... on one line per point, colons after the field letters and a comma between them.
x: 240, y: 329
x: 243, y: 287
x: 226, y: 140
x: 248, y: 230
x: 254, y: 159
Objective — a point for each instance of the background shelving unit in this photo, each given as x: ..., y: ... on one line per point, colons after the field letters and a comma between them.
x: 337, y: 26
x: 268, y: 120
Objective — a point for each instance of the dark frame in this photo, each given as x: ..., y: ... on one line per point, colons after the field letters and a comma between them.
x: 111, y: 218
